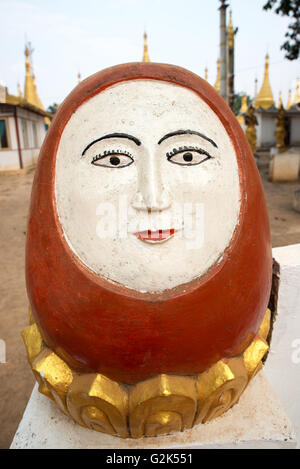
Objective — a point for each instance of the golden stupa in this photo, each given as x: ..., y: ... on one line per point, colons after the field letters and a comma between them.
x: 289, y: 103
x: 206, y: 73
x: 30, y: 89
x: 297, y: 94
x: 244, y: 106
x: 230, y: 32
x: 265, y: 96
x: 218, y: 79
x: 146, y: 55
x: 280, y: 100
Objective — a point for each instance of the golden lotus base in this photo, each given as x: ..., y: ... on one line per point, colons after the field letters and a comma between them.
x: 156, y: 406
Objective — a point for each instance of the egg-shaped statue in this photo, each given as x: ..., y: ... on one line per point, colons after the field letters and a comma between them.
x: 148, y: 259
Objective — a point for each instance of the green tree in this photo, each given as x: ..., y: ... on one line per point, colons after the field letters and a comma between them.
x: 52, y: 108
x: 290, y: 8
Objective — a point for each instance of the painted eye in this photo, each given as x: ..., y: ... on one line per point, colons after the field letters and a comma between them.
x: 113, y: 160
x: 188, y: 156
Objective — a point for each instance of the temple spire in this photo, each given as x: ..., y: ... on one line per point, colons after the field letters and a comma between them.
x: 146, y: 55
x: 255, y: 91
x: 30, y: 89
x: 19, y: 92
x: 230, y: 62
x: 37, y: 101
x: 230, y: 32
x: 280, y: 100
x: 79, y: 77
x: 297, y: 94
x: 265, y: 97
x: 29, y: 86
x: 289, y: 103
x: 244, y: 104
x: 218, y: 79
x: 206, y: 73
x: 223, y: 51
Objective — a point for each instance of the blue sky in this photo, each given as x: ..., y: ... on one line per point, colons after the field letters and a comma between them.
x: 75, y: 35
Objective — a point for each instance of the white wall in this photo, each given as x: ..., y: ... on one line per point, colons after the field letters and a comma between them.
x: 9, y: 158
x: 266, y: 130
x: 295, y: 130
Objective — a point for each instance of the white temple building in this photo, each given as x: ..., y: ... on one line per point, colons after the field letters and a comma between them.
x: 23, y: 123
x: 267, y: 111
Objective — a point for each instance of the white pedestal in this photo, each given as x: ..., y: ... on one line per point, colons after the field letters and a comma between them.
x: 257, y: 421
x: 284, y: 167
x: 282, y: 367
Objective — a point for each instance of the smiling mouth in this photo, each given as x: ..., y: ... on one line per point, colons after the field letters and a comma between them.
x: 158, y: 236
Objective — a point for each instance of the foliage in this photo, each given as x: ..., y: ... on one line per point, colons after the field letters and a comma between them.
x: 52, y: 108
x: 290, y: 8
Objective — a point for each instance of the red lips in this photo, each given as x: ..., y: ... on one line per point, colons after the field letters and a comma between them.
x: 154, y: 236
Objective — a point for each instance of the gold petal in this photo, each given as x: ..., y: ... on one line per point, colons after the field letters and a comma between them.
x: 53, y: 375
x: 33, y: 342
x: 265, y: 325
x: 162, y: 404
x: 97, y: 402
x: 254, y: 354
x: 219, y: 388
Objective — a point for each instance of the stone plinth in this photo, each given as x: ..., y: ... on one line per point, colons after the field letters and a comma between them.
x: 282, y: 367
x: 284, y: 167
x: 257, y: 421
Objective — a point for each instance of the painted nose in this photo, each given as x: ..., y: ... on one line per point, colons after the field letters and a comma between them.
x: 150, y: 195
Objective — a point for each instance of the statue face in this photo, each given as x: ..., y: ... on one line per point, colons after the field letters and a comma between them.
x: 147, y: 185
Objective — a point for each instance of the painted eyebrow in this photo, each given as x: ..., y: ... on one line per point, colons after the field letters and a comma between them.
x: 187, y: 132
x: 115, y: 135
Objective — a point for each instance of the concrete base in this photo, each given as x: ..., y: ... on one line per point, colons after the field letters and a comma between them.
x: 296, y: 201
x: 284, y: 167
x: 257, y: 421
x: 282, y: 367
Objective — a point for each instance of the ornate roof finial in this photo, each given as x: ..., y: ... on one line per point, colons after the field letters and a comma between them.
x: 244, y: 105
x: 297, y: 94
x: 265, y: 97
x: 280, y: 100
x: 218, y: 79
x: 146, y: 55
x: 206, y: 73
x: 29, y: 86
x: 289, y: 103
x: 79, y: 77
x: 230, y: 31
x: 255, y: 92
x: 30, y: 91
x: 19, y: 92
x: 255, y: 87
x: 37, y: 101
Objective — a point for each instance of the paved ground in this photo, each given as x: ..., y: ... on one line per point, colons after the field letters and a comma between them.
x: 16, y: 380
x: 284, y: 221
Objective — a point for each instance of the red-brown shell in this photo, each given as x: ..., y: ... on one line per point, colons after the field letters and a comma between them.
x: 126, y: 335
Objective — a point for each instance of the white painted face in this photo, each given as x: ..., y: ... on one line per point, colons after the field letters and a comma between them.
x: 147, y: 186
